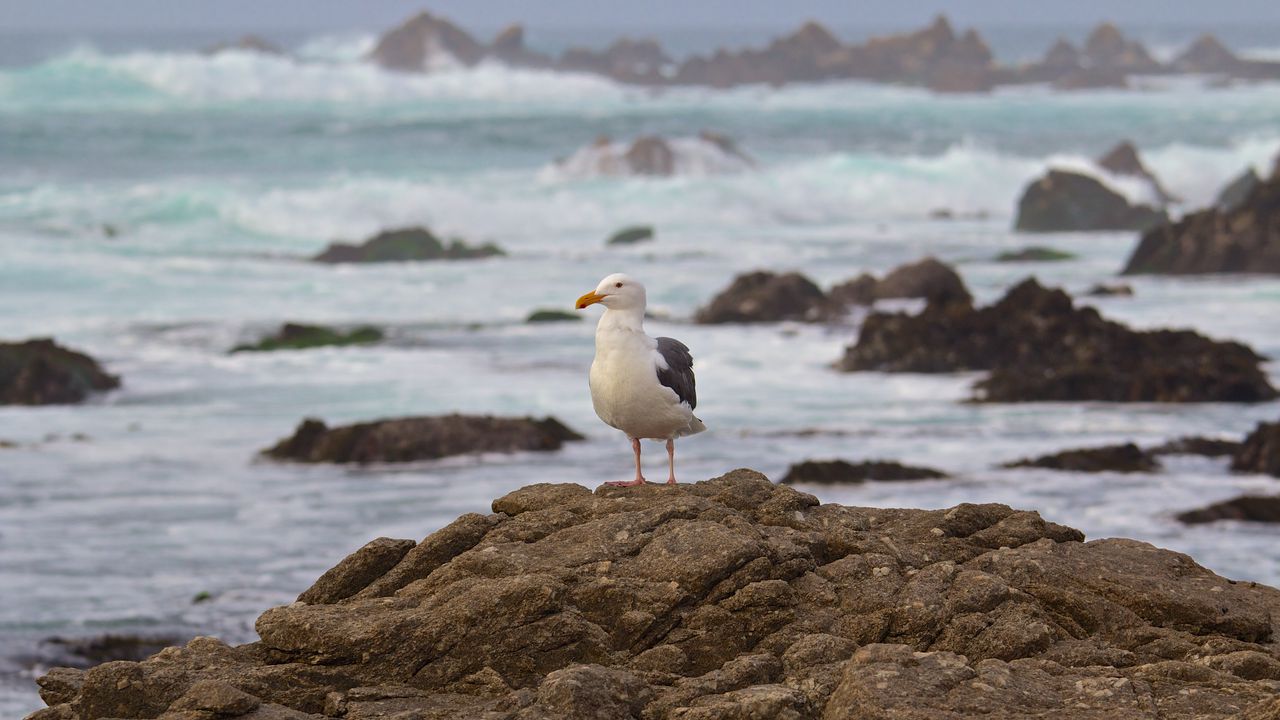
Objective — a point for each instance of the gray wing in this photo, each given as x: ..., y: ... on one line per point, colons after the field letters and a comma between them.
x: 679, y: 372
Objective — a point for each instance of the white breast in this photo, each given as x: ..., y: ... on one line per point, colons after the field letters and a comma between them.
x: 625, y: 389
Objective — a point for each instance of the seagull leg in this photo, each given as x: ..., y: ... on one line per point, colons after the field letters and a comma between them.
x: 635, y: 447
x: 671, y: 460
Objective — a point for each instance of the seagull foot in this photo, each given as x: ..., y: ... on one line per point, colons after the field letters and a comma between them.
x: 627, y: 483
x: 671, y: 480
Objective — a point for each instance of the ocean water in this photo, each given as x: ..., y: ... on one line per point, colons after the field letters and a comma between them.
x: 221, y: 174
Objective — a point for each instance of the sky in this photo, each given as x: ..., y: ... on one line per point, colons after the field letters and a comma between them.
x: 311, y: 15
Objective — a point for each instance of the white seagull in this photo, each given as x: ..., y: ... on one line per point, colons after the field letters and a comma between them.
x: 640, y: 385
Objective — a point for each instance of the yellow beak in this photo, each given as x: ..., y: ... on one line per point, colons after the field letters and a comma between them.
x: 590, y: 298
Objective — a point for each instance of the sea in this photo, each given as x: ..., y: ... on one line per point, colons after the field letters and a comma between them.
x: 157, y: 206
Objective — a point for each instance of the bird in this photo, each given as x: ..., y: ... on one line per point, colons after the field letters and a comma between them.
x: 641, y: 385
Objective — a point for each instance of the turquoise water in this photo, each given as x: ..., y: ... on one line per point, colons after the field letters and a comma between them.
x: 221, y: 173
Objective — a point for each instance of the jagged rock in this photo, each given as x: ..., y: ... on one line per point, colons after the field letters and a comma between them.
x: 626, y: 60
x: 508, y: 47
x: 356, y: 571
x: 296, y: 336
x: 929, y: 278
x: 1237, y: 192
x: 1209, y: 447
x: 402, y: 245
x: 1110, y: 290
x: 1039, y: 346
x: 1243, y: 240
x: 1127, y: 458
x: 826, y: 472
x: 1123, y: 160
x: 1064, y: 201
x: 250, y: 42
x: 424, y: 42
x: 1207, y: 55
x: 1260, y: 452
x: 1060, y: 60
x: 767, y: 297
x: 1107, y: 47
x: 631, y: 235
x: 545, y: 316
x: 1247, y: 508
x: 737, y: 598
x: 1034, y: 253
x: 41, y: 372
x: 419, y: 438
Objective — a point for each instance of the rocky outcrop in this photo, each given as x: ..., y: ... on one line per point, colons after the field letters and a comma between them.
x: 1107, y: 48
x: 297, y: 336
x: 652, y: 156
x: 248, y: 43
x: 1235, y: 193
x: 840, y: 472
x: 1243, y: 240
x: 929, y: 278
x: 426, y: 42
x: 403, y: 245
x: 625, y: 60
x: 730, y: 598
x: 1123, y: 160
x: 1034, y: 253
x: 1209, y: 447
x: 1207, y: 55
x: 1064, y: 201
x: 509, y: 47
x: 768, y: 297
x: 1246, y: 508
x: 547, y: 316
x: 1110, y: 290
x: 41, y: 372
x: 419, y: 438
x: 1260, y: 452
x: 1039, y: 347
x: 1126, y: 458
x: 631, y: 235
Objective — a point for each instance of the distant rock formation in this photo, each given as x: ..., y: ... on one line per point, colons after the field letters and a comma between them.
x: 1206, y: 446
x: 551, y: 316
x: 631, y: 235
x: 1039, y: 347
x: 1123, y: 160
x: 1237, y: 192
x: 841, y: 472
x: 419, y: 438
x: 626, y: 60
x: 649, y: 155
x: 41, y: 372
x: 929, y: 278
x: 1243, y: 240
x: 1260, y: 452
x: 1127, y: 458
x: 767, y: 297
x: 299, y: 336
x: 249, y: 43
x: 1033, y: 253
x: 1246, y: 508
x: 1206, y: 55
x: 1110, y: 290
x: 1107, y: 48
x: 404, y: 245
x: 425, y: 42
x: 732, y: 598
x: 1064, y: 201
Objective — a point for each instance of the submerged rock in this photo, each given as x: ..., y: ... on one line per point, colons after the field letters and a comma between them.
x: 250, y: 43
x: 655, y: 156
x: 1243, y: 240
x: 419, y: 438
x: 405, y: 244
x: 767, y: 297
x: 731, y: 598
x: 297, y: 336
x: 1260, y: 452
x: 827, y: 472
x: 1127, y: 458
x: 929, y: 278
x: 41, y: 372
x: 1110, y: 290
x: 1040, y: 347
x: 631, y: 235
x: 1034, y: 253
x: 1209, y: 447
x: 1246, y: 508
x: 1064, y: 201
x: 545, y: 316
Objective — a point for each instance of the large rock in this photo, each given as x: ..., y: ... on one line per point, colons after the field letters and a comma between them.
x: 1127, y: 458
x: 929, y: 278
x: 1243, y: 240
x: 1039, y: 346
x: 1235, y: 193
x: 419, y: 438
x: 405, y: 244
x: 1064, y: 201
x: 1123, y: 160
x: 299, y: 336
x: 732, y: 598
x: 41, y: 372
x: 1107, y: 47
x: 426, y: 42
x: 1260, y: 452
x: 767, y: 297
x: 1246, y: 508
x: 1207, y: 55
x: 839, y: 472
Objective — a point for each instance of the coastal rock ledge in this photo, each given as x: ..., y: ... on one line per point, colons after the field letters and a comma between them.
x: 730, y: 598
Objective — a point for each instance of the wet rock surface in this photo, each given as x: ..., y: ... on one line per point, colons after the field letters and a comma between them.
x: 731, y: 598
x: 1126, y: 458
x: 768, y: 297
x: 1039, y: 346
x: 41, y: 372
x: 827, y: 472
x: 419, y: 438
x: 404, y: 245
x: 1064, y: 201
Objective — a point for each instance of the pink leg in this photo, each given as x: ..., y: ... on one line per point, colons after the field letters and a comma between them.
x: 635, y: 447
x: 671, y: 461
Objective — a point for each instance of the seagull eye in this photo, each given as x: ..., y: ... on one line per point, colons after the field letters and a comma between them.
x: 618, y: 285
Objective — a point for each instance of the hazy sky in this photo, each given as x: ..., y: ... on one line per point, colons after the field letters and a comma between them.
x: 141, y: 15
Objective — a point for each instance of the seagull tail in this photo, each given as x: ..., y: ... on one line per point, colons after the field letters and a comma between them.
x: 695, y: 427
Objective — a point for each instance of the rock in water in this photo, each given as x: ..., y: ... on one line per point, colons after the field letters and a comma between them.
x: 1123, y: 160
x: 1209, y: 447
x: 419, y: 438
x: 424, y: 42
x: 1246, y: 508
x: 1063, y: 201
x: 830, y: 472
x: 1243, y: 240
x: 1110, y: 290
x: 403, y: 245
x: 929, y: 278
x: 248, y: 43
x: 1207, y: 55
x: 548, y: 316
x: 1260, y: 452
x: 631, y: 235
x: 730, y: 598
x: 297, y: 336
x: 41, y: 372
x: 1039, y: 346
x: 1127, y: 458
x: 1236, y: 192
x: 1034, y: 253
x: 652, y: 156
x: 766, y: 297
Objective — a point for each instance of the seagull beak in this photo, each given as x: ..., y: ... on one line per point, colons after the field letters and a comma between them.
x: 590, y: 298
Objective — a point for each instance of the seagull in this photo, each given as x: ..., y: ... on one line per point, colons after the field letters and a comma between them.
x: 640, y: 385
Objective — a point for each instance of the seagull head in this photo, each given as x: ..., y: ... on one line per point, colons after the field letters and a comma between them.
x: 616, y: 292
